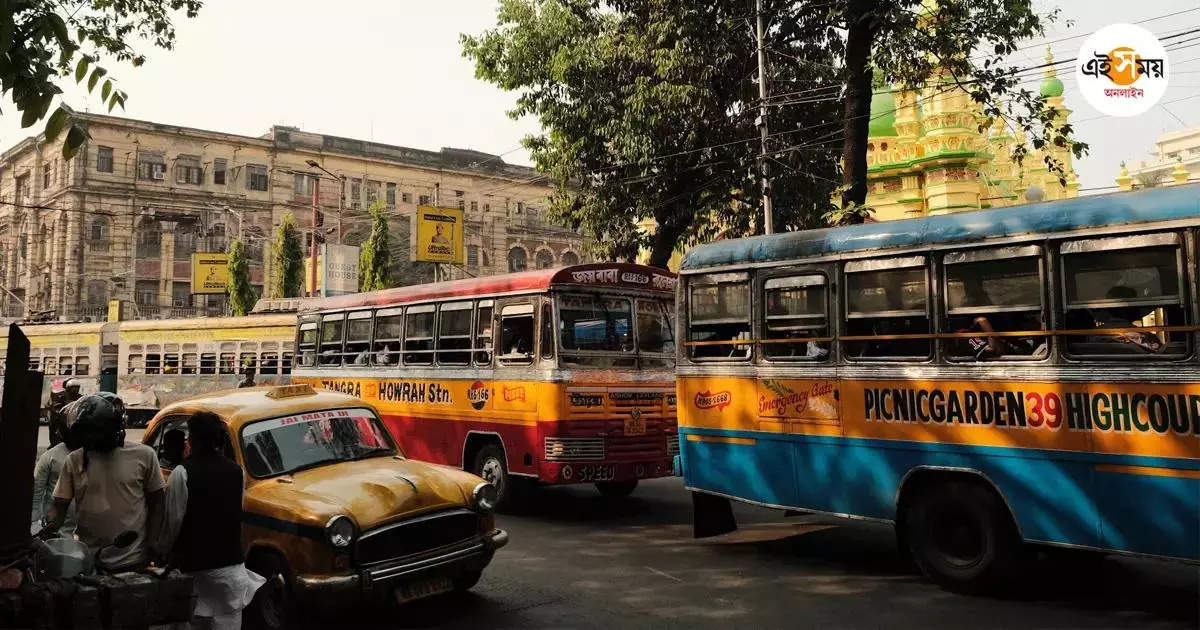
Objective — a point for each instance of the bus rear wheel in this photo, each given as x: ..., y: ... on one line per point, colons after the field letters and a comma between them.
x: 616, y: 488
x: 490, y: 465
x: 960, y: 535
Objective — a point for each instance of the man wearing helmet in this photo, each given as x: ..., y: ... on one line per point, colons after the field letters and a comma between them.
x: 116, y: 486
x: 58, y: 401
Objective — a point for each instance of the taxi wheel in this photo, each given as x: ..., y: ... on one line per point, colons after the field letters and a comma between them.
x: 467, y: 580
x: 274, y: 607
x: 616, y: 488
x: 961, y: 535
x: 489, y: 464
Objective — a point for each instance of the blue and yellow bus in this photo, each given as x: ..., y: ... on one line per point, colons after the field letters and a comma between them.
x: 984, y: 380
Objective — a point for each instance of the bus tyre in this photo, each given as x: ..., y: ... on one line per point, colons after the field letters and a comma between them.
x: 960, y: 535
x: 616, y: 488
x: 490, y: 464
x: 274, y: 606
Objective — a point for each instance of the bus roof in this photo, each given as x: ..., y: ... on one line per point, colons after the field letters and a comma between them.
x: 624, y: 275
x: 1125, y: 208
x: 205, y: 323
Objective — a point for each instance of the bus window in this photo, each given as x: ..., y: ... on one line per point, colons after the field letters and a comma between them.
x: 171, y: 363
x: 287, y: 363
x: 66, y: 366
x: 190, y: 363
x: 719, y: 308
x: 208, y: 363
x: 33, y: 364
x: 83, y: 366
x: 228, y: 363
x: 997, y: 290
x: 247, y: 361
x: 137, y: 364
x: 358, y: 338
x: 454, y: 334
x: 886, y: 298
x: 547, y: 340
x: 389, y: 330
x: 270, y: 364
x: 331, y: 338
x: 483, y: 334
x: 153, y: 363
x: 418, y: 335
x: 308, y: 342
x: 1124, y: 289
x: 795, y: 312
x: 516, y: 334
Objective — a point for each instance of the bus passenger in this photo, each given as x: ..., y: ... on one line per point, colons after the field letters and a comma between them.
x: 1124, y: 317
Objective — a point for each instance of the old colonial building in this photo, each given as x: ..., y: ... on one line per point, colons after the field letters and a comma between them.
x: 121, y: 219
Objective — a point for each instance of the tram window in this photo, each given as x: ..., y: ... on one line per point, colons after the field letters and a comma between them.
x: 885, y: 298
x: 34, y: 364
x: 454, y: 334
x: 247, y: 361
x: 190, y: 363
x: 389, y: 331
x: 516, y: 334
x: 719, y: 313
x: 153, y: 363
x: 228, y: 363
x: 418, y: 335
x: 331, y: 339
x: 170, y: 363
x: 208, y: 363
x: 483, y: 334
x: 66, y: 366
x: 287, y: 363
x: 308, y: 342
x: 993, y: 291
x: 137, y: 364
x: 358, y: 338
x: 270, y: 364
x: 1123, y: 290
x: 795, y: 314
x: 83, y: 366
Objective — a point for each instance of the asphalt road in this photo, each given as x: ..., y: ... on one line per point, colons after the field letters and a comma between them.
x: 577, y: 560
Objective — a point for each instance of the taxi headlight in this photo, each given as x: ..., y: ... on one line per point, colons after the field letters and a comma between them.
x: 341, y: 531
x: 485, y: 496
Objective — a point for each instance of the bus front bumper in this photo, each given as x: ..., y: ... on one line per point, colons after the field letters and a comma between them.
x: 593, y: 472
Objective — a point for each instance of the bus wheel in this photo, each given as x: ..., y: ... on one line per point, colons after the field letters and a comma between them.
x: 616, y: 488
x: 489, y: 464
x: 960, y: 535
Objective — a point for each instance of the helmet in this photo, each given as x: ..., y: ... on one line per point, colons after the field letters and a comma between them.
x: 96, y: 421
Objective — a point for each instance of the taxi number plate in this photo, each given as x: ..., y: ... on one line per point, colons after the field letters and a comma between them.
x: 422, y: 589
x: 635, y: 426
x: 597, y: 473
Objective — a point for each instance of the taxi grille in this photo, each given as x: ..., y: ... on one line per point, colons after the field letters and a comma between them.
x: 417, y: 535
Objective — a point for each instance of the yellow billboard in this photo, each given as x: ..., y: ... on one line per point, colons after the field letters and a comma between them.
x: 439, y: 235
x: 210, y: 273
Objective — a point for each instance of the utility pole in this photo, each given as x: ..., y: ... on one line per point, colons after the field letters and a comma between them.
x: 312, y: 270
x: 761, y: 123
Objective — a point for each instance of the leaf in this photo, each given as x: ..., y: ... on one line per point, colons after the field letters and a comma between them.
x: 29, y: 116
x: 7, y: 29
x: 96, y: 75
x: 106, y: 90
x: 60, y: 30
x: 76, y: 136
x: 81, y: 68
x: 57, y: 121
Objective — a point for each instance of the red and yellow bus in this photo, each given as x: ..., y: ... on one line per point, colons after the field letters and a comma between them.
x: 555, y: 375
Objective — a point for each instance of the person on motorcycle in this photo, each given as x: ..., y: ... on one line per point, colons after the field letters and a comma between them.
x: 58, y: 401
x: 117, y: 486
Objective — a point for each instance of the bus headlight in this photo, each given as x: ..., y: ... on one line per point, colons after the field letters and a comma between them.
x: 485, y: 495
x: 341, y: 531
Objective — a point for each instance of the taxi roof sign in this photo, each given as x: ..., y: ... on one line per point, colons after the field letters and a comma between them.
x: 291, y: 391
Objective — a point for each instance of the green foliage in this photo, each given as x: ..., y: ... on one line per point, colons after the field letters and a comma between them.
x: 45, y: 41
x: 962, y: 44
x: 241, y: 294
x: 851, y: 214
x: 375, y: 257
x: 287, y: 259
x: 648, y: 110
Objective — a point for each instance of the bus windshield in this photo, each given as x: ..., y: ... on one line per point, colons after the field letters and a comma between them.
x: 606, y: 323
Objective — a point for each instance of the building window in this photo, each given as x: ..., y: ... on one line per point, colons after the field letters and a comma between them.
x: 146, y: 293
x: 149, y: 239
x: 391, y: 195
x: 424, y: 200
x: 544, y: 259
x: 151, y: 166
x: 518, y: 260
x: 104, y: 160
x: 97, y: 293
x: 22, y: 188
x: 302, y: 185
x: 474, y: 206
x: 570, y: 258
x: 256, y: 177
x: 406, y: 197
x: 187, y: 170
x: 355, y: 192
x: 520, y: 207
x: 181, y: 294
x: 99, y: 230
x: 219, y: 171
x: 472, y: 255
x: 487, y: 207
x: 47, y: 173
x: 372, y: 192
x: 185, y: 243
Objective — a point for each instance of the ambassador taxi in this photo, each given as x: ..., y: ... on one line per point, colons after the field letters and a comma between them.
x: 333, y: 511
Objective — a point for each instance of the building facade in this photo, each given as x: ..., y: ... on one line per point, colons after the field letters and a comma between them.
x: 121, y: 219
x: 927, y: 155
x: 1176, y: 159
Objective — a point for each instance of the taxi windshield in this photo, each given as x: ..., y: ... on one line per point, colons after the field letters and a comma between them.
x: 316, y: 438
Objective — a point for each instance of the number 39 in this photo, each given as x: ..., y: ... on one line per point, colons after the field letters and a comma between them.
x: 1044, y: 410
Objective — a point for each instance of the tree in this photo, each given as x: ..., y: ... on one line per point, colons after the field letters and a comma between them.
x: 374, y: 258
x: 43, y: 41
x: 241, y: 294
x: 937, y: 47
x: 648, y: 112
x: 287, y: 259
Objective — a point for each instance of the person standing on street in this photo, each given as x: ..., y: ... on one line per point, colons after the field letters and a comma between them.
x: 45, y: 478
x: 116, y: 486
x: 202, y: 528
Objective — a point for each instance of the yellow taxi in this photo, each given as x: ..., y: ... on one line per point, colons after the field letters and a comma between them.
x: 334, y: 513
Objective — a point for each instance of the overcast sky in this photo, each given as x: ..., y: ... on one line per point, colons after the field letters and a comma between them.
x: 392, y: 71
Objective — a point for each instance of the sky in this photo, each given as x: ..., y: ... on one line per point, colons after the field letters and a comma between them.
x: 392, y: 71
